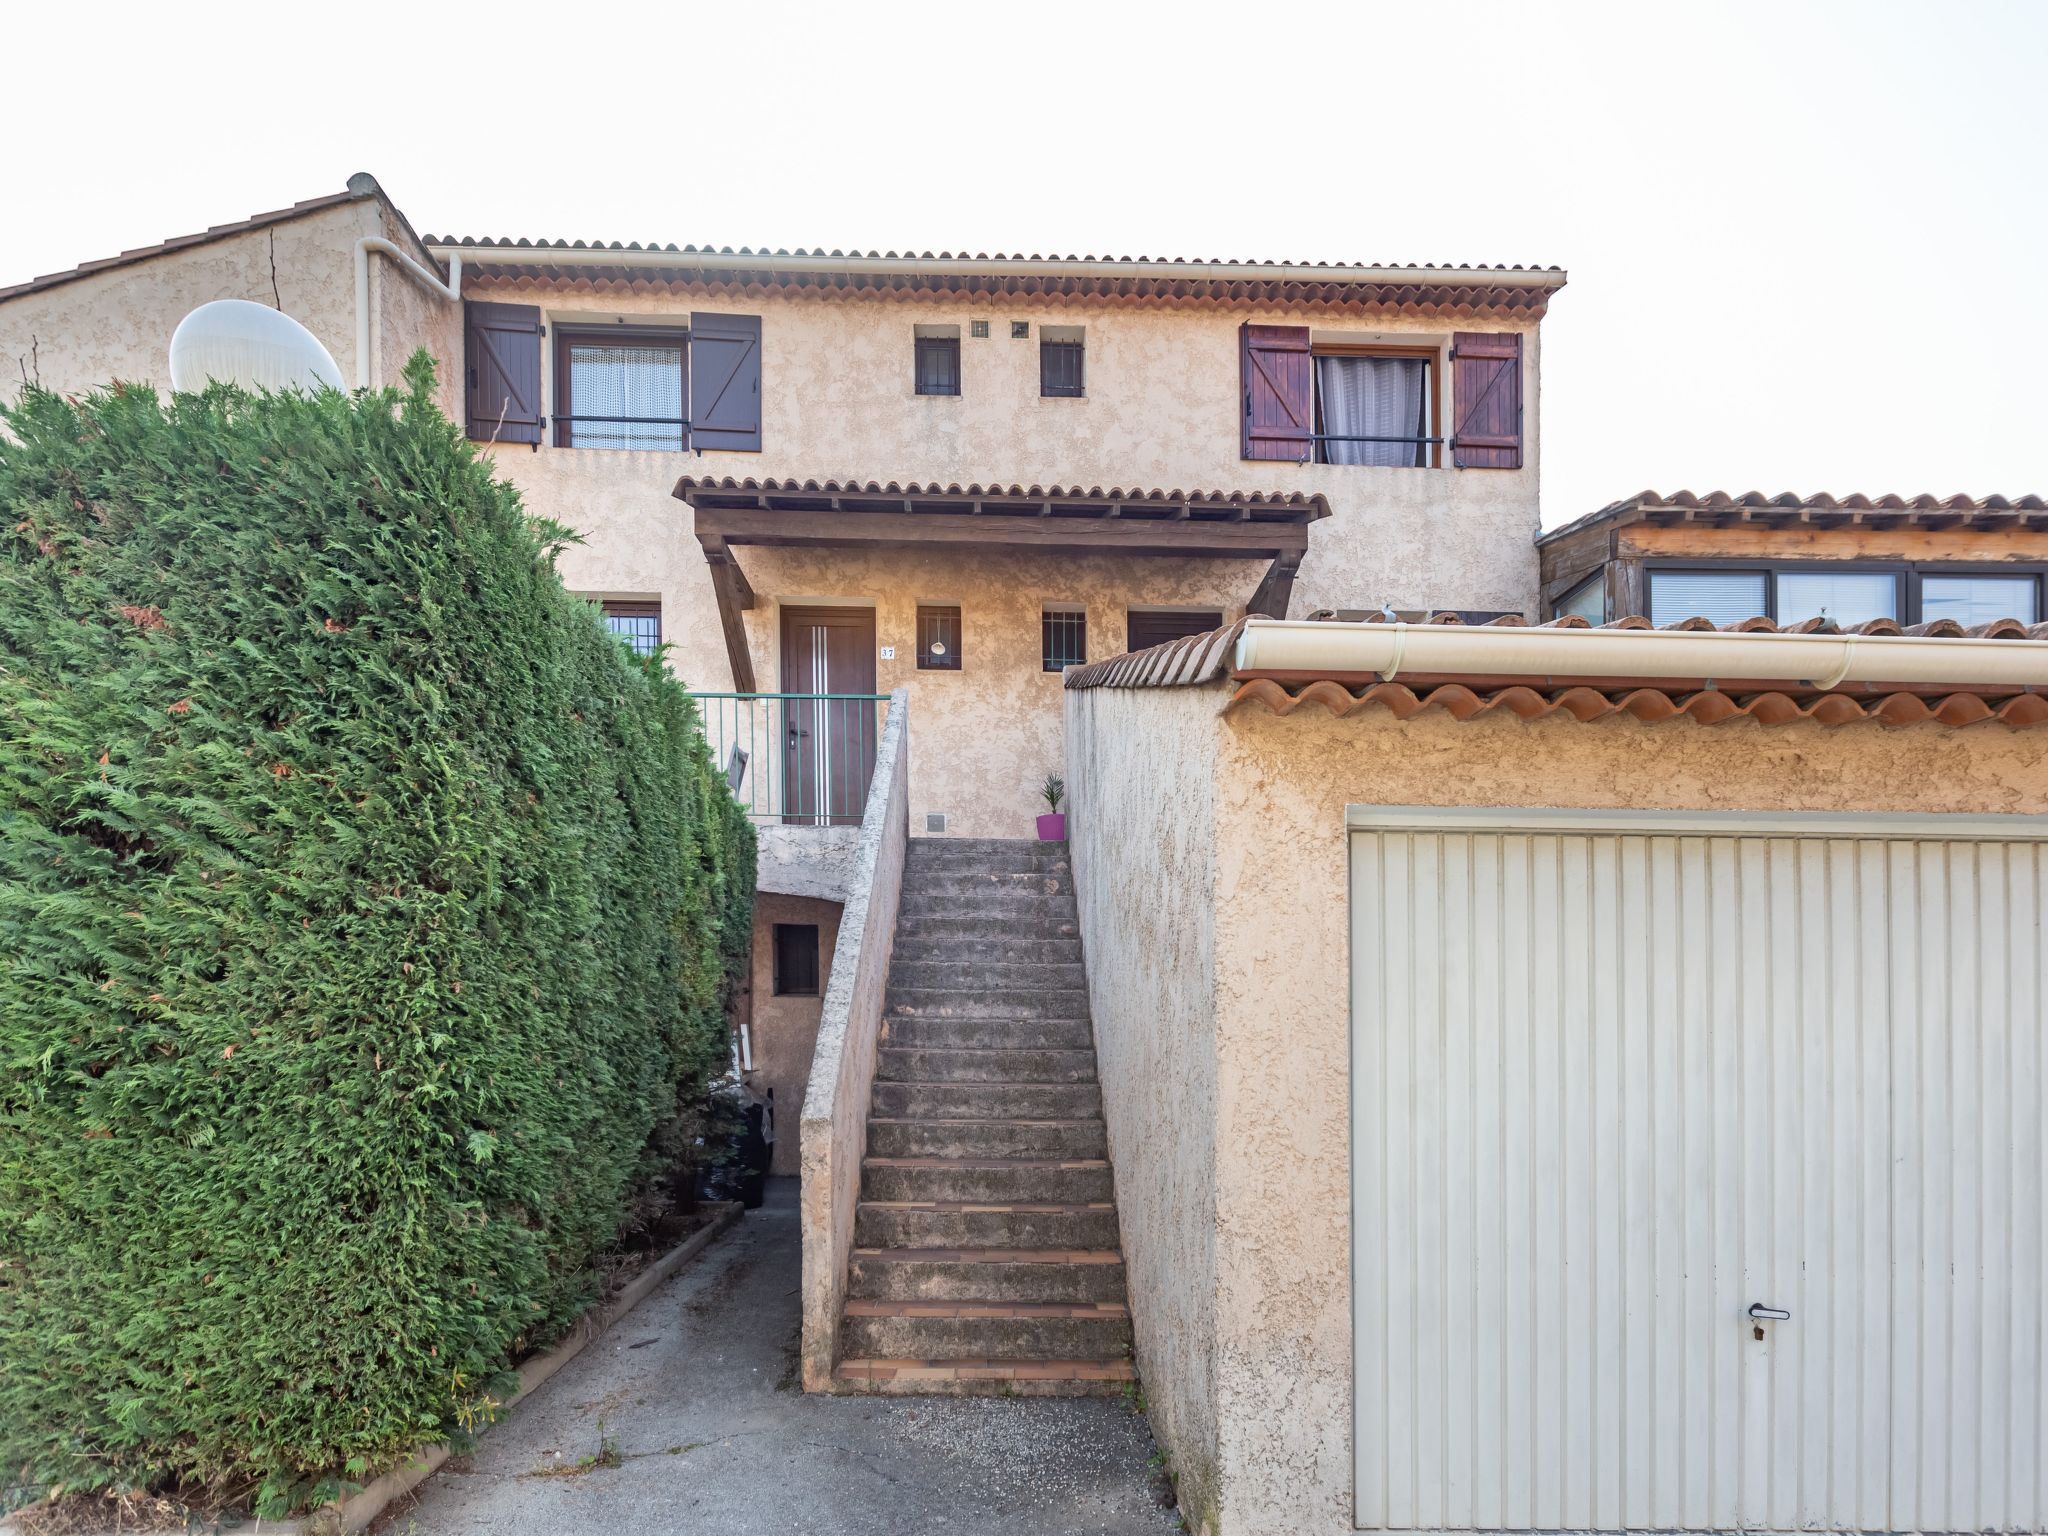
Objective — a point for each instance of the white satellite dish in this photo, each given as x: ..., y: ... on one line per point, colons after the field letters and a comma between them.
x: 252, y: 345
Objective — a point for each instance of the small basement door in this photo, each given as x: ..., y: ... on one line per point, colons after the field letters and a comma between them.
x: 1698, y: 1173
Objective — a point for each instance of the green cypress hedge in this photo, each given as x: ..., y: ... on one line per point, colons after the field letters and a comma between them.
x: 366, y: 918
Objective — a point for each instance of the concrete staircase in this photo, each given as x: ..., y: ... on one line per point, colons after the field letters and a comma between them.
x: 985, y: 1252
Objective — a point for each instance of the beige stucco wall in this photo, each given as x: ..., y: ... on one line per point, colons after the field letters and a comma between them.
x: 984, y: 737
x: 784, y: 1030
x: 117, y: 324
x: 1162, y: 410
x: 1280, y: 1108
x: 1136, y: 819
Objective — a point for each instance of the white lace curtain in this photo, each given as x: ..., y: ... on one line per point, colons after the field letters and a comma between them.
x: 1374, y: 397
x: 626, y: 381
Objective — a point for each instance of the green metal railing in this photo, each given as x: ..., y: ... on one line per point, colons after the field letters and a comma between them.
x: 802, y: 758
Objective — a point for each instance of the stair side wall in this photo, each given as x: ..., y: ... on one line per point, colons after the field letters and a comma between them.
x: 834, y: 1130
x: 1141, y: 836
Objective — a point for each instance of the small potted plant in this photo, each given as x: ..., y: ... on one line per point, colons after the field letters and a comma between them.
x: 1052, y: 828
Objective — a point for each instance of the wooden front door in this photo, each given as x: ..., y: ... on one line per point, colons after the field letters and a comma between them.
x: 828, y: 747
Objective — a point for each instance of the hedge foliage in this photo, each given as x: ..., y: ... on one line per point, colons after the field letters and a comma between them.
x: 365, y: 918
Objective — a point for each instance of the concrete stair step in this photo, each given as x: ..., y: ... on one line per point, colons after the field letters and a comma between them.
x: 990, y: 1101
x: 987, y: 882
x: 986, y: 951
x: 921, y: 848
x: 1054, y: 1181
x: 987, y: 1138
x: 987, y: 1378
x: 989, y: 1002
x: 917, y: 1064
x: 974, y: 927
x: 1011, y: 1034
x: 1028, y: 917
x: 978, y: 974
x: 984, y: 1224
x: 993, y: 1274
x: 985, y: 1330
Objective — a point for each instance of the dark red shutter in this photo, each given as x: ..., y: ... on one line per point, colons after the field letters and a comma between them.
x: 1279, y: 392
x: 502, y: 347
x: 1486, y: 399
x: 725, y: 382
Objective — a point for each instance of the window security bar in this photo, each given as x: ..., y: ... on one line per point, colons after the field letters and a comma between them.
x: 1345, y: 437
x: 635, y: 421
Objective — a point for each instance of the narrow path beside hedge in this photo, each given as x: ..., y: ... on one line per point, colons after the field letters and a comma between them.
x: 696, y: 1392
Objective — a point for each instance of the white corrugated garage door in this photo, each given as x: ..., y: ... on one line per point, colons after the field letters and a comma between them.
x: 1614, y: 1083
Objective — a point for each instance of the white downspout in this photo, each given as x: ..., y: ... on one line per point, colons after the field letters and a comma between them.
x: 450, y: 290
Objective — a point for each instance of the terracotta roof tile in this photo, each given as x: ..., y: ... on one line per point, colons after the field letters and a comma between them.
x: 1428, y: 289
x: 1210, y: 658
x: 1787, y: 509
x: 1650, y: 705
x: 1297, y: 506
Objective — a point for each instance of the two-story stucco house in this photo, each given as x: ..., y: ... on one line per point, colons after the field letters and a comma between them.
x: 833, y: 475
x: 1526, y: 1034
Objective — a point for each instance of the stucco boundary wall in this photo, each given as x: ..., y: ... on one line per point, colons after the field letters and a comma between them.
x: 1141, y: 784
x: 834, y: 1130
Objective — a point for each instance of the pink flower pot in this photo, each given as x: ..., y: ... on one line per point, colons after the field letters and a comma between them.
x: 1053, y: 828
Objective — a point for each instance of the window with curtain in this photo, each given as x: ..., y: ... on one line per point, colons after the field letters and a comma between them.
x: 1386, y: 399
x: 1846, y: 597
x: 1725, y: 597
x: 622, y: 392
x: 1974, y: 600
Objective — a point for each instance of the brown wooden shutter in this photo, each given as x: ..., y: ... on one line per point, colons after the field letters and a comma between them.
x: 1279, y: 392
x: 502, y: 347
x: 725, y: 382
x: 1486, y: 399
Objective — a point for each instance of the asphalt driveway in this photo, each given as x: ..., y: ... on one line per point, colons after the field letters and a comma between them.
x: 694, y: 1394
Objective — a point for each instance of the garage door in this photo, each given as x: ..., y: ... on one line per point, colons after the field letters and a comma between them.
x: 1617, y: 1083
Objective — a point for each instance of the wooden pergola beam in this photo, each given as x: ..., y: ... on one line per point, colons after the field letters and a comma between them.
x: 720, y: 528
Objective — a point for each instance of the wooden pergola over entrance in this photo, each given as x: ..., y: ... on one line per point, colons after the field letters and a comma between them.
x: 993, y: 519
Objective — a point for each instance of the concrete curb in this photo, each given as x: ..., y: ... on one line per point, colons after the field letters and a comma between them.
x: 359, y: 1509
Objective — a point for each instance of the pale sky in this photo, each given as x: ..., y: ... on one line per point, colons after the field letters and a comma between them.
x: 1806, y: 241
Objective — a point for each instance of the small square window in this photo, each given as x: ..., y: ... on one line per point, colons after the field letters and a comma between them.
x: 1066, y: 639
x: 638, y: 624
x: 1061, y: 361
x: 978, y: 329
x: 796, y: 960
x: 938, y: 639
x: 1020, y: 330
x: 938, y: 365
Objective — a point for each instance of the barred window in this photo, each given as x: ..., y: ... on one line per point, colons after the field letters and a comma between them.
x: 638, y: 624
x: 1065, y: 639
x: 938, y: 639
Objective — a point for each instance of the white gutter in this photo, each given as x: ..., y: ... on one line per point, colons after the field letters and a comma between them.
x: 981, y: 266
x: 1303, y: 650
x: 431, y: 281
